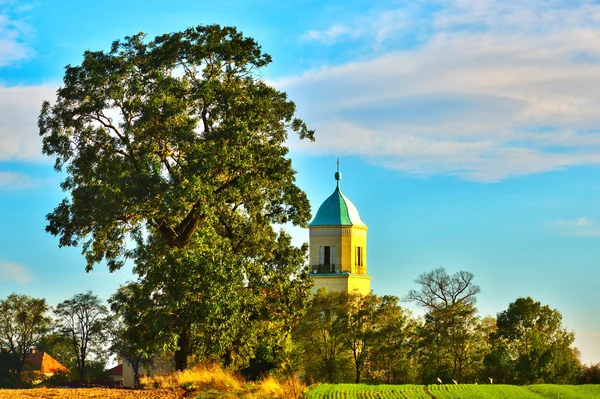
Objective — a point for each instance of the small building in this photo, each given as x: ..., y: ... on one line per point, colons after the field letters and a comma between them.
x: 338, y: 245
x: 160, y: 365
x: 43, y: 363
x: 116, y: 373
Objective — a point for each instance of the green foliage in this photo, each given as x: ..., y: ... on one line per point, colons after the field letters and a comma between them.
x: 590, y: 374
x: 532, y: 346
x: 83, y: 321
x: 178, y: 145
x: 23, y: 322
x: 462, y: 391
x: 321, y: 338
x: 391, y: 361
x: 8, y: 366
x: 452, y: 340
x: 167, y: 135
x: 344, y: 332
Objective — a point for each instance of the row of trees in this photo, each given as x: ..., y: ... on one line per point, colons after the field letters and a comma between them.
x: 76, y: 334
x: 345, y: 337
x: 341, y: 337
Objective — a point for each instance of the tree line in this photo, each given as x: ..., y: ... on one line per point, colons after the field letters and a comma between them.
x: 348, y: 337
x: 340, y: 337
x: 75, y: 332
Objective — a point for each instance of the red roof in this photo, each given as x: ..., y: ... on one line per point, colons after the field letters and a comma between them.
x: 40, y: 361
x: 117, y: 370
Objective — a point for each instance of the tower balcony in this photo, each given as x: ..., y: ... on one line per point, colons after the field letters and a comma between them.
x: 325, y: 269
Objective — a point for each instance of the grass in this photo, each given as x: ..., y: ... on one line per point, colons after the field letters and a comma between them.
x: 212, y: 381
x: 462, y: 391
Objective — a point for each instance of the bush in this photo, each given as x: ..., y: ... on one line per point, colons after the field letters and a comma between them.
x: 590, y: 374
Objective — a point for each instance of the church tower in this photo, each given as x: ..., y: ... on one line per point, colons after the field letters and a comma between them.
x: 338, y: 245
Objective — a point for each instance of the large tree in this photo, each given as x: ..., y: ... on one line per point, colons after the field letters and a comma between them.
x: 172, y: 144
x: 85, y: 323
x: 23, y: 322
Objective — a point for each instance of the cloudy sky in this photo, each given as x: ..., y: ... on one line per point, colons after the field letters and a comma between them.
x: 467, y: 132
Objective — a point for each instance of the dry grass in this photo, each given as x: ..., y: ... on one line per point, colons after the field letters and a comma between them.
x: 202, y: 382
x: 91, y: 393
x: 212, y: 381
x: 195, y: 379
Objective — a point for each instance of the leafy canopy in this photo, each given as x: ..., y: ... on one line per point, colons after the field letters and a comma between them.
x: 161, y: 136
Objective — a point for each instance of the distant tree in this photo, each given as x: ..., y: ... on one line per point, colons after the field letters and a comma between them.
x: 8, y: 362
x: 84, y: 321
x: 447, y: 336
x: 23, y: 322
x: 390, y: 358
x: 321, y: 338
x: 532, y: 346
x: 361, y: 313
x: 134, y: 338
x: 590, y: 374
x: 179, y: 144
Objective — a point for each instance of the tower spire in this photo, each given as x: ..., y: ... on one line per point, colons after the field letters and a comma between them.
x: 338, y: 174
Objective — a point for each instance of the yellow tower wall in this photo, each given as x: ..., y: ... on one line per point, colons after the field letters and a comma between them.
x: 345, y: 240
x: 343, y: 282
x: 326, y: 236
x: 358, y: 238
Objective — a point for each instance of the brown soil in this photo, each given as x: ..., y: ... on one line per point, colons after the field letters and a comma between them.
x: 99, y: 393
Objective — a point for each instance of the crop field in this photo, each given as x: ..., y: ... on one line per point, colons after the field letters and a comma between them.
x: 463, y: 391
x: 89, y: 393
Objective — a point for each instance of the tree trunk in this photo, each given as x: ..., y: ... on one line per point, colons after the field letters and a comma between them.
x: 81, y: 368
x: 181, y: 354
x: 136, y: 374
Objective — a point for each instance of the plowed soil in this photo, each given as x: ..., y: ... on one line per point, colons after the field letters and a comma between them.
x: 99, y: 393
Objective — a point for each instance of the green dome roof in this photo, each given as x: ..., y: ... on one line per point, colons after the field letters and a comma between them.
x: 337, y: 210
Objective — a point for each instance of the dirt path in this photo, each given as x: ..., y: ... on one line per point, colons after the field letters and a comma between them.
x: 97, y: 393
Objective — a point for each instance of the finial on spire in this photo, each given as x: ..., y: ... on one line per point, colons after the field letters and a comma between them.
x: 338, y: 174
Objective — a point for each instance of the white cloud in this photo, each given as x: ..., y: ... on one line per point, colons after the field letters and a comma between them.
x: 15, y: 181
x: 14, y: 273
x: 13, y: 35
x: 581, y: 227
x: 19, y: 109
x: 582, y: 221
x: 497, y: 89
x: 331, y: 34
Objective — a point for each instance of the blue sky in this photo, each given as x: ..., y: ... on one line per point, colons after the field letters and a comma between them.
x: 468, y: 133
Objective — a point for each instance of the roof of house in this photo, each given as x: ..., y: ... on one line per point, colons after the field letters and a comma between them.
x: 117, y: 370
x: 41, y: 361
x: 337, y: 210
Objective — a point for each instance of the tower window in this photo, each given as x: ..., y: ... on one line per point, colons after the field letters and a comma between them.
x: 327, y: 255
x: 358, y: 256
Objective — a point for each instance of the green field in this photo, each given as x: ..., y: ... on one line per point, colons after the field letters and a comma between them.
x: 463, y: 391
